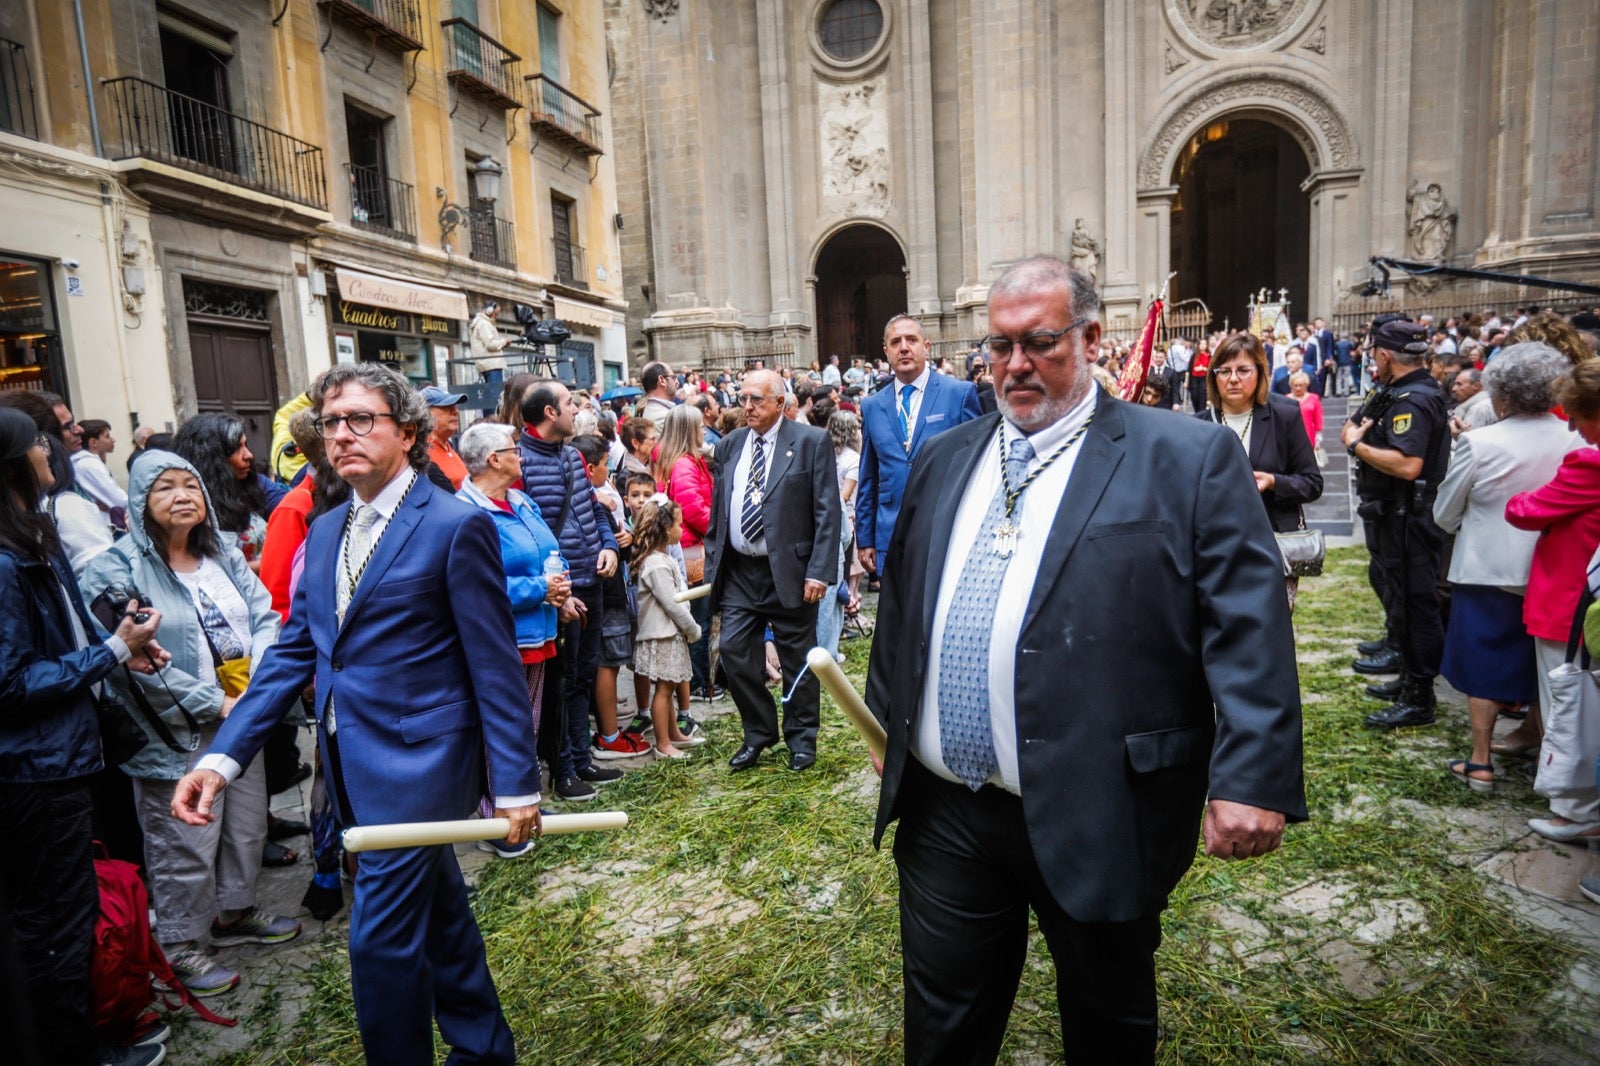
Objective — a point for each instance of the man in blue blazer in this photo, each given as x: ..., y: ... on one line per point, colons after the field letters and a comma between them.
x: 402, y: 619
x: 896, y: 421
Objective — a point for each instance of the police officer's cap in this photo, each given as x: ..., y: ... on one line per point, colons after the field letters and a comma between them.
x: 1398, y: 335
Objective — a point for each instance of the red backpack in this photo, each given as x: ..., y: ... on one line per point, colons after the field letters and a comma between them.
x: 126, y: 955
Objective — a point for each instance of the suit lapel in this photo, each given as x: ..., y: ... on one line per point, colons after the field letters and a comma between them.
x: 783, y: 454
x: 929, y: 398
x: 943, y: 521
x: 1262, y: 423
x: 395, y: 534
x: 1091, y: 473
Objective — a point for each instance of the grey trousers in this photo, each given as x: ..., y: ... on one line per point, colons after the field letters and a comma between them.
x: 195, y: 872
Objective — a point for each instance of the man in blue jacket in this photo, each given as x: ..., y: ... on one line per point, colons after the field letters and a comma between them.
x: 554, y: 478
x: 403, y: 621
x: 896, y: 421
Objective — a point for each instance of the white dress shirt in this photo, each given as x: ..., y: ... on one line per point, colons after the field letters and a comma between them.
x: 919, y: 389
x: 741, y: 478
x: 96, y: 480
x: 1037, y: 512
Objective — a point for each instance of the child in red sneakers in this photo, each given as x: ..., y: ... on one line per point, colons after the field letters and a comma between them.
x: 661, y: 647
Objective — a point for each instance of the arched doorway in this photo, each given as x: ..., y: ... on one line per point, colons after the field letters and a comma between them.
x: 1240, y: 221
x: 861, y: 283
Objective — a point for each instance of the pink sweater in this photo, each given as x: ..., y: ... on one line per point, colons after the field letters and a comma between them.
x: 1311, y: 412
x: 1566, y: 513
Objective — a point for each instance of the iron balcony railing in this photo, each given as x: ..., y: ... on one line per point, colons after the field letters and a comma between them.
x: 17, y: 114
x: 153, y: 122
x: 570, y: 269
x: 566, y: 117
x: 397, y: 23
x: 494, y: 240
x: 379, y: 202
x: 480, y: 64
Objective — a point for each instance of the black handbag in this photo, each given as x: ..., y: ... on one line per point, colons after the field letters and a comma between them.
x: 120, y: 736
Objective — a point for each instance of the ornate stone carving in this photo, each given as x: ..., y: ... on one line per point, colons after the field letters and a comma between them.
x: 855, y: 148
x: 1430, y: 221
x: 1239, y: 23
x: 1318, y: 41
x: 661, y: 9
x: 225, y: 301
x: 1085, y: 251
x: 1332, y: 147
x: 1174, y: 59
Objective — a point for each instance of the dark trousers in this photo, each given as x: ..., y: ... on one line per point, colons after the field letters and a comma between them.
x: 581, y: 648
x: 749, y: 604
x: 416, y: 956
x: 968, y: 879
x: 1378, y: 578
x: 1408, y: 548
x: 700, y: 650
x: 53, y: 897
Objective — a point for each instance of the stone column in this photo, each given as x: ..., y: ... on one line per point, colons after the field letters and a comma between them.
x: 1393, y: 57
x: 1119, y: 266
x: 1338, y: 237
x: 916, y: 172
x: 1154, y: 248
x: 778, y: 156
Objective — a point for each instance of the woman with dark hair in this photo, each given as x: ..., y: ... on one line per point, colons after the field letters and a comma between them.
x: 1269, y: 428
x: 215, y: 443
x: 50, y: 746
x: 79, y: 523
x: 218, y: 621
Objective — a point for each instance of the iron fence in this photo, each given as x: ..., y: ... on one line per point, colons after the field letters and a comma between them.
x: 494, y: 239
x: 379, y: 202
x: 489, y: 66
x: 570, y: 264
x: 562, y: 112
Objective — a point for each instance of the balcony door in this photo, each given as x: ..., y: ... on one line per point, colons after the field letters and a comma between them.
x: 199, y: 123
x: 561, y: 228
x: 369, y: 171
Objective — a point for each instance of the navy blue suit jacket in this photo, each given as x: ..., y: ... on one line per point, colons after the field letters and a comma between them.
x: 424, y: 674
x: 884, y: 460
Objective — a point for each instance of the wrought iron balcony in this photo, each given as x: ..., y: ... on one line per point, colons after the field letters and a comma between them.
x: 564, y: 117
x: 494, y: 239
x: 480, y: 65
x: 570, y: 268
x: 381, y: 204
x: 17, y: 114
x: 153, y: 122
x: 396, y: 23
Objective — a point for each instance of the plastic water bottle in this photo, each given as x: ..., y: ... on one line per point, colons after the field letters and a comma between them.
x: 553, y: 566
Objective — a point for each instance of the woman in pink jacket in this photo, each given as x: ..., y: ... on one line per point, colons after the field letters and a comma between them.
x: 1566, y: 513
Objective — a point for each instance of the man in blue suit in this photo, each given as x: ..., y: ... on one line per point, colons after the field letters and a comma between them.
x: 896, y: 421
x: 402, y: 619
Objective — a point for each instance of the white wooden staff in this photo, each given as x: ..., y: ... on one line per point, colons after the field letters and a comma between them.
x: 692, y: 594
x: 426, y: 834
x: 821, y: 662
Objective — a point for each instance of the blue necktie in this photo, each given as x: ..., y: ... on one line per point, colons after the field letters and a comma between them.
x: 965, y: 740
x: 751, y: 522
x: 906, y: 392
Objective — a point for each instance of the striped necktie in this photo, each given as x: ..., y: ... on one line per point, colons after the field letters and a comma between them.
x: 751, y: 522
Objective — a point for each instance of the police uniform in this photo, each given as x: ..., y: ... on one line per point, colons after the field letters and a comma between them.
x: 1406, y: 542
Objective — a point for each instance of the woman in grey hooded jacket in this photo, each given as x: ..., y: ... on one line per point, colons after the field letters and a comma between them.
x: 217, y: 621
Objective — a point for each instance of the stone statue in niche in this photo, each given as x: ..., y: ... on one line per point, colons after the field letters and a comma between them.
x: 1085, y: 251
x: 1239, y: 22
x: 1430, y: 221
x: 855, y: 147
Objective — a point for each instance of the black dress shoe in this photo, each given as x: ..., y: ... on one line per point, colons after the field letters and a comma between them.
x: 1388, y: 690
x: 1372, y: 647
x: 746, y: 758
x: 802, y: 760
x: 1385, y: 662
x: 1400, y: 716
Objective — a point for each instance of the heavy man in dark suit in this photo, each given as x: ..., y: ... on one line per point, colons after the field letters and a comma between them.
x: 771, y: 552
x: 1068, y: 665
x: 402, y: 620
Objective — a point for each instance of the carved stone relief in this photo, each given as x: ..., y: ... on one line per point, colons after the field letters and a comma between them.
x: 1239, y: 23
x: 661, y: 9
x: 1240, y: 92
x: 1174, y: 59
x: 855, y: 148
x: 1318, y: 41
x: 1430, y: 221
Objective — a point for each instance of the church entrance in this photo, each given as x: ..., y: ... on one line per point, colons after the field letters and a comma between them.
x: 861, y: 283
x: 1240, y: 222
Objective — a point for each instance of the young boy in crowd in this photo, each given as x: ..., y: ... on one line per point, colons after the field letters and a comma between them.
x: 616, y: 634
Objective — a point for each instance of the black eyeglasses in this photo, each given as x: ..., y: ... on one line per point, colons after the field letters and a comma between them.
x: 360, y: 423
x: 1036, y: 345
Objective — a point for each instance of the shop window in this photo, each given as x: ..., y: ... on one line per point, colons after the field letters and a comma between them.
x: 30, y: 332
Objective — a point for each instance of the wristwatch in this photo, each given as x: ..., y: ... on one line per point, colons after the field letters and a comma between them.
x: 1350, y: 449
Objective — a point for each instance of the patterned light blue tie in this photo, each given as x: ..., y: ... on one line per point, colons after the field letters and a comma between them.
x: 752, y: 523
x: 965, y: 740
x: 906, y: 392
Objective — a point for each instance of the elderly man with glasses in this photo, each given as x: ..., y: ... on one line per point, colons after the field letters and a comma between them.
x: 771, y: 552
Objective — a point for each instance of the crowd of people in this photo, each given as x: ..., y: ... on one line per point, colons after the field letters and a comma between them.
x: 208, y: 588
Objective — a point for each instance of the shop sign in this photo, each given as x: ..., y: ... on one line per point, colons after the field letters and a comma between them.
x: 405, y: 296
x: 444, y: 327
x: 353, y: 314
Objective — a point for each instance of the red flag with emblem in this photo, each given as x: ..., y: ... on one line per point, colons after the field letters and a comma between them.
x: 1130, y: 383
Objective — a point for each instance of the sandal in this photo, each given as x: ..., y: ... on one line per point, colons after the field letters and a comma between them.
x: 275, y: 854
x: 1465, y: 768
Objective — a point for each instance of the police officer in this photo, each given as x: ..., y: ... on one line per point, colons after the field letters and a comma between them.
x: 1402, y: 454
x: 1380, y: 656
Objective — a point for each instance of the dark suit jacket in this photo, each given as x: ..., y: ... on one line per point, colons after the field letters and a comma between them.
x: 1148, y: 609
x: 424, y: 672
x: 884, y: 462
x: 1280, y: 446
x: 801, y: 507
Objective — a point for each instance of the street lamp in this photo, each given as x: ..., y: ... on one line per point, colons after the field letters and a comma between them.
x: 486, y: 184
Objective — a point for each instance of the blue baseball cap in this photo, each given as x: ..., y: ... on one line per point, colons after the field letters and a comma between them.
x: 434, y: 396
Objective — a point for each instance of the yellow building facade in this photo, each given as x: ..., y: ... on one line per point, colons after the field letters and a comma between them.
x: 209, y: 202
